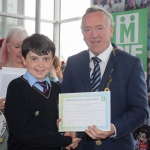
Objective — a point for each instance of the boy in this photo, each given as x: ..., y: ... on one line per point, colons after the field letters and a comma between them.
x: 31, y: 107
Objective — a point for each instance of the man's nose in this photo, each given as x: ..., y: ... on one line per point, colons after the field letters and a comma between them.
x: 94, y: 33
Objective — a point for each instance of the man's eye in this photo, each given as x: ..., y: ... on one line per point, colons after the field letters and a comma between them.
x: 87, y: 30
x: 99, y: 28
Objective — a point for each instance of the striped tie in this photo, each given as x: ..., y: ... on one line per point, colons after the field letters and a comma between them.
x: 96, y: 75
x: 45, y: 89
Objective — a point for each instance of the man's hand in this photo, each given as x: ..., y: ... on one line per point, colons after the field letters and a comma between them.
x: 95, y: 133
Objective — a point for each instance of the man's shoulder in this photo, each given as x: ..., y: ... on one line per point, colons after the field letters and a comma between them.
x: 126, y: 58
x: 124, y: 54
x: 79, y: 56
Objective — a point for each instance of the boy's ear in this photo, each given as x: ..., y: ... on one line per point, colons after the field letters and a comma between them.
x: 24, y: 61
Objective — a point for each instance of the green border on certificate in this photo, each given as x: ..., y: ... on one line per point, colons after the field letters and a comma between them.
x: 80, y: 110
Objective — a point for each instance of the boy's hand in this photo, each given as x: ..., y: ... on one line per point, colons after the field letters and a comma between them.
x: 72, y: 134
x: 75, y: 140
x: 57, y: 122
x: 74, y: 144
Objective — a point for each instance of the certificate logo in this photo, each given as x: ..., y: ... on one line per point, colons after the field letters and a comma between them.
x: 103, y: 98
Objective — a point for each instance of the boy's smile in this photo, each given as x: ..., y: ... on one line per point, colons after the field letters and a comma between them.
x: 38, y: 66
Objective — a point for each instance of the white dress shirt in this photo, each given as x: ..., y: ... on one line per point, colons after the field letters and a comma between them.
x: 104, y: 59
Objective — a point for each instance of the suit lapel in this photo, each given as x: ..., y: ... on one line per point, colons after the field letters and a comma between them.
x: 111, y: 62
x: 85, y: 72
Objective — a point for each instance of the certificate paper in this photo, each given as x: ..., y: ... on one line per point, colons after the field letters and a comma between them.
x: 7, y: 74
x: 80, y: 110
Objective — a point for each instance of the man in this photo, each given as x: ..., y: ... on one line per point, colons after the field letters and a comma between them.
x: 120, y: 73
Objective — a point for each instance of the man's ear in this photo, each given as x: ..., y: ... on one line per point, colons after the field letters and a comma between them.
x: 111, y: 32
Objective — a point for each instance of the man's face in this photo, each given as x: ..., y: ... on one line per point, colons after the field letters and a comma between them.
x: 38, y: 66
x: 97, y: 32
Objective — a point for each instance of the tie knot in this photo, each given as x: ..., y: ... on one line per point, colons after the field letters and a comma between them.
x: 45, y: 88
x: 96, y: 59
x: 43, y: 83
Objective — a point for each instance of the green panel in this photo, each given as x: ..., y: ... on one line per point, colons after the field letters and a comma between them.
x: 130, y: 33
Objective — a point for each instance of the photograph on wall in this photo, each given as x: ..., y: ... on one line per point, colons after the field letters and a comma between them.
x: 110, y: 5
x: 121, y: 5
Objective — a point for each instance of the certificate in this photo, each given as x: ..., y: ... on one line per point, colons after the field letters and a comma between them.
x: 7, y: 74
x: 80, y: 110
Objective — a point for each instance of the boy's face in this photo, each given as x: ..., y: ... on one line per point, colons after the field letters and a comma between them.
x: 38, y: 66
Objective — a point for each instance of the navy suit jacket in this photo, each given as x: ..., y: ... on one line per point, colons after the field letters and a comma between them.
x: 128, y: 94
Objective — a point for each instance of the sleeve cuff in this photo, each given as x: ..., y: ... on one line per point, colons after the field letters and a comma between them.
x: 55, y: 79
x: 114, y: 135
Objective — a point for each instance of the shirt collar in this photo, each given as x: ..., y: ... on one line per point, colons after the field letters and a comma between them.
x: 103, y: 56
x: 32, y: 80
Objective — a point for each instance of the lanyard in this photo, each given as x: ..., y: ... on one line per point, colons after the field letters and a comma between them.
x: 109, y: 80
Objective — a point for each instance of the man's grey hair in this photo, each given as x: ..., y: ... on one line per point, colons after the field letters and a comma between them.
x: 96, y: 9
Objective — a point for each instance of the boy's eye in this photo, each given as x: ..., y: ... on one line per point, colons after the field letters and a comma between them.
x: 33, y: 58
x: 46, y: 59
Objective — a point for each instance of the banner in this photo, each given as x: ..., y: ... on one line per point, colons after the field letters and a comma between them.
x: 130, y: 33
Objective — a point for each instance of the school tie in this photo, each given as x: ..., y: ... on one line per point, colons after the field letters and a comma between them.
x: 96, y: 75
x: 45, y: 89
